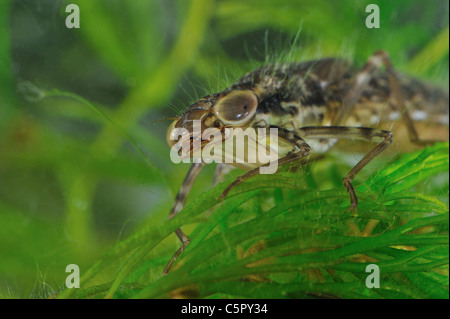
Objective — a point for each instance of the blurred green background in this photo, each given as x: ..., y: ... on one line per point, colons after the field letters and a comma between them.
x: 83, y: 157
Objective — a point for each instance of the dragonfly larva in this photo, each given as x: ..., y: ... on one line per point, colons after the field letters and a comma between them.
x: 313, y: 104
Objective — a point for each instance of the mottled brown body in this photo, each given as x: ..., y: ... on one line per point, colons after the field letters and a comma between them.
x: 313, y: 105
x: 311, y: 94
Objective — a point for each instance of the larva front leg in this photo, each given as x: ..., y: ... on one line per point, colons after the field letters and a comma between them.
x: 300, y: 150
x: 180, y: 200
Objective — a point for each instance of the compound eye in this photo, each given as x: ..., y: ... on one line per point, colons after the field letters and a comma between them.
x: 237, y: 107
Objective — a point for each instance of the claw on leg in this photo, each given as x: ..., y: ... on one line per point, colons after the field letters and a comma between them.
x: 237, y: 181
x: 173, y: 259
x: 185, y: 241
x: 353, y: 198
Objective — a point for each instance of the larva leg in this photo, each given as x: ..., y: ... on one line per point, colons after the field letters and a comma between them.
x: 180, y: 200
x: 300, y: 150
x: 399, y: 104
x: 361, y: 81
x: 383, y: 138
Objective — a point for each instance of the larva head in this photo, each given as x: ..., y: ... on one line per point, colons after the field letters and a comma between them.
x: 231, y: 109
